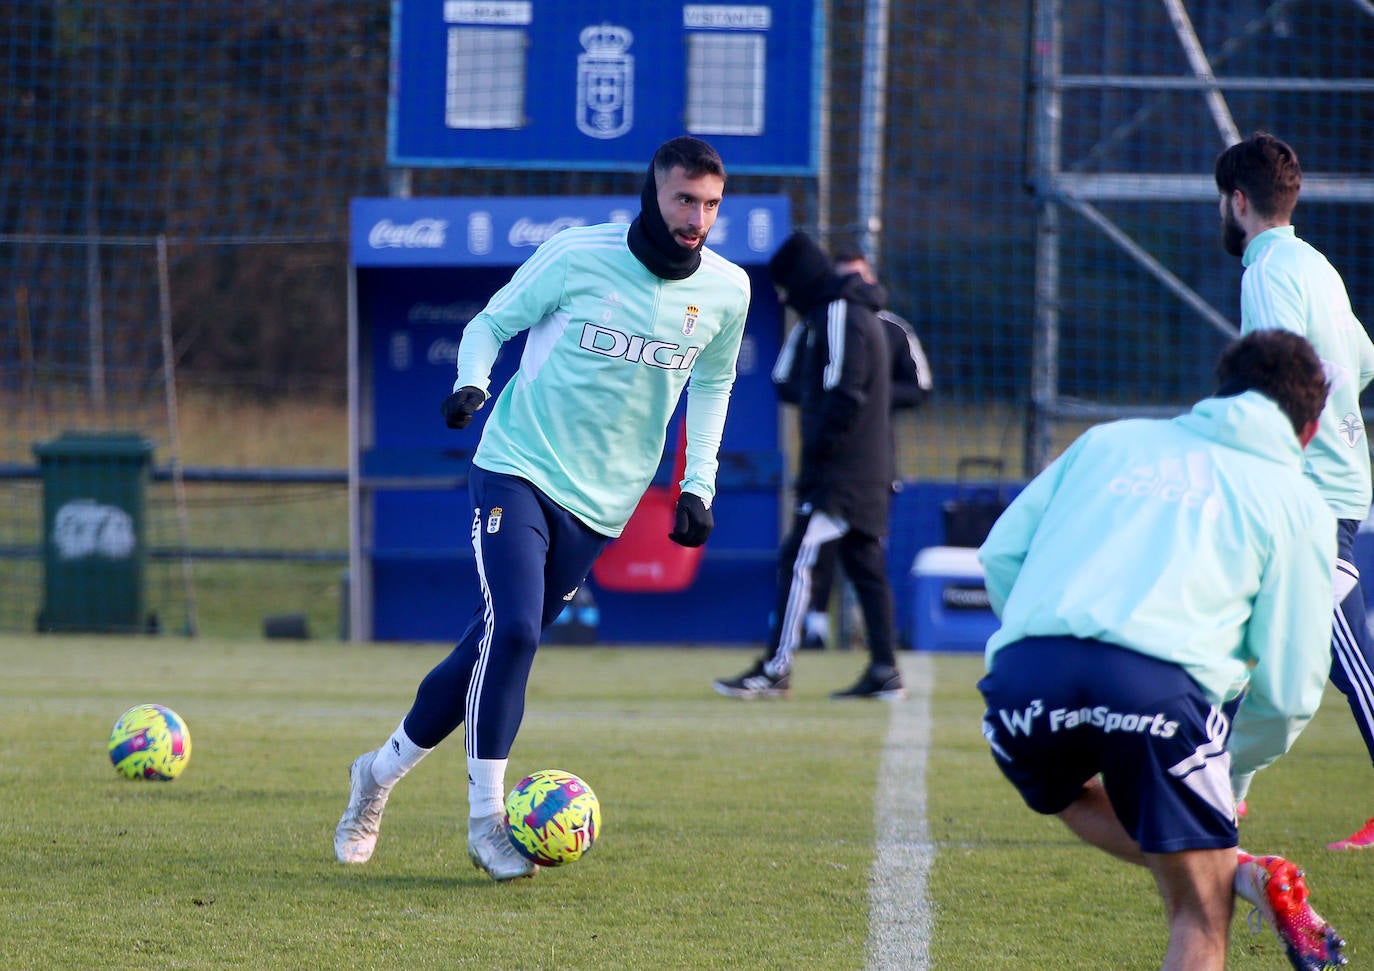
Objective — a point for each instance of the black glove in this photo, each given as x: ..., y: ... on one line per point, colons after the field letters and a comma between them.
x: 459, y: 407
x: 693, y: 522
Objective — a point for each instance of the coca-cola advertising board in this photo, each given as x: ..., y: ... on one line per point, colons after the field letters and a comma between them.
x: 504, y: 232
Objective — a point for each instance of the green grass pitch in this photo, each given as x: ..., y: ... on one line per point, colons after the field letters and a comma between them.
x: 735, y: 835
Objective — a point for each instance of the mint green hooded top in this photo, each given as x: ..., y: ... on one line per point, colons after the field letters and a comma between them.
x: 1196, y: 540
x: 1288, y: 285
x: 609, y: 350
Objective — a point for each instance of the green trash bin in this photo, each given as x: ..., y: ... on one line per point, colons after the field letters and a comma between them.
x: 93, y: 537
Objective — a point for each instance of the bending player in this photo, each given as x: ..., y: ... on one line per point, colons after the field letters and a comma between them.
x: 1141, y: 579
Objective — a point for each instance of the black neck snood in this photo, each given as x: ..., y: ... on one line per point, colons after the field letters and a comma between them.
x: 653, y: 245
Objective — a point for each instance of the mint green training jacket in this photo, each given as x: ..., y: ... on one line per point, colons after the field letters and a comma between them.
x: 1288, y: 285
x: 609, y: 350
x: 1196, y: 540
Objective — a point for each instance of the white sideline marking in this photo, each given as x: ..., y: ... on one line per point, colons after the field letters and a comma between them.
x: 900, y: 920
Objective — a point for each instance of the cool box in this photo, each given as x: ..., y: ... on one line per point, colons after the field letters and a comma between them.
x: 950, y: 610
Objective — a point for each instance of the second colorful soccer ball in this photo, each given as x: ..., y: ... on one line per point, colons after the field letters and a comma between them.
x: 150, y: 742
x: 554, y: 817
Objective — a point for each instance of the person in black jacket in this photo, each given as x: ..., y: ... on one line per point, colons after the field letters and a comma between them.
x: 912, y: 381
x: 844, y: 483
x: 912, y: 384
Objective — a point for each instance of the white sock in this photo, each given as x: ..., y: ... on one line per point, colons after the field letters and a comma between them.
x: 818, y: 624
x: 486, y: 787
x: 397, y: 757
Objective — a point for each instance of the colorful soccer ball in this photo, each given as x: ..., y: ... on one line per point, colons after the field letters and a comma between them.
x: 554, y: 817
x: 150, y: 742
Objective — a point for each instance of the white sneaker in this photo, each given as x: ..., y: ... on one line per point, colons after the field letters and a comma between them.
x: 490, y: 849
x: 356, y: 835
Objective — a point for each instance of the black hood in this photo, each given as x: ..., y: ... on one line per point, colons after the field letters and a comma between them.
x: 858, y: 290
x: 653, y: 245
x: 802, y: 269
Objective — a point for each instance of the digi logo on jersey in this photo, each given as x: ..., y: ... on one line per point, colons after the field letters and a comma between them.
x: 612, y: 343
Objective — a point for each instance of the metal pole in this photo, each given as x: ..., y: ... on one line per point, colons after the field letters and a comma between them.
x: 95, y: 298
x: 823, y: 123
x: 359, y: 586
x: 1047, y: 108
x: 169, y: 384
x: 1197, y: 60
x: 873, y: 122
x: 399, y: 183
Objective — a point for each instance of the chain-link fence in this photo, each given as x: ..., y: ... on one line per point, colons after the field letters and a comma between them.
x: 1033, y: 178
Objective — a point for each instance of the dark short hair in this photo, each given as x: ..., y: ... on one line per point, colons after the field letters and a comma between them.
x: 1280, y: 365
x: 692, y: 155
x: 1266, y: 169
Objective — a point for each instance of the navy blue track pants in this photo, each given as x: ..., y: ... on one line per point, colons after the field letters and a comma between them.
x: 1352, y: 647
x: 532, y: 555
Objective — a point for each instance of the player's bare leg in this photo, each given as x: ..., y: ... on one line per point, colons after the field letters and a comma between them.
x: 1198, y: 903
x: 1196, y: 885
x: 1093, y: 820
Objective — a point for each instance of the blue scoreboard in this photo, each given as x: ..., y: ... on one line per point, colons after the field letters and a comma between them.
x: 600, y: 84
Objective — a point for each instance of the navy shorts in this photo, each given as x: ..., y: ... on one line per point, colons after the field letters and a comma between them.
x: 1063, y: 710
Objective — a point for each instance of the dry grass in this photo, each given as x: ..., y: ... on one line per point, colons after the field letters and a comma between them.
x: 216, y: 427
x: 233, y: 431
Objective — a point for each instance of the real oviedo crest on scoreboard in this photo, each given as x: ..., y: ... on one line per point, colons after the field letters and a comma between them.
x: 599, y: 84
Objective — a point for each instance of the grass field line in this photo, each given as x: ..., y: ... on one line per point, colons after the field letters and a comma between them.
x: 900, y: 918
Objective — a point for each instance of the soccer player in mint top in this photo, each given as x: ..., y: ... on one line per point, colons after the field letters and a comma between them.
x: 1142, y: 580
x: 619, y: 319
x: 1289, y: 285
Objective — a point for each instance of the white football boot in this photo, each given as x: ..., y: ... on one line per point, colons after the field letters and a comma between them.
x: 490, y: 849
x: 356, y: 835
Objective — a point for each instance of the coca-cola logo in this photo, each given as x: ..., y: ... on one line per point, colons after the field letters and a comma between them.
x: 459, y: 312
x: 442, y: 351
x: 420, y: 234
x: 527, y: 232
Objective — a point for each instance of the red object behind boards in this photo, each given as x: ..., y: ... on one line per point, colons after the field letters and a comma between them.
x: 643, y: 559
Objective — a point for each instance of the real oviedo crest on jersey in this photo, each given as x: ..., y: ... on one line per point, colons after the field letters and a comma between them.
x: 689, y: 321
